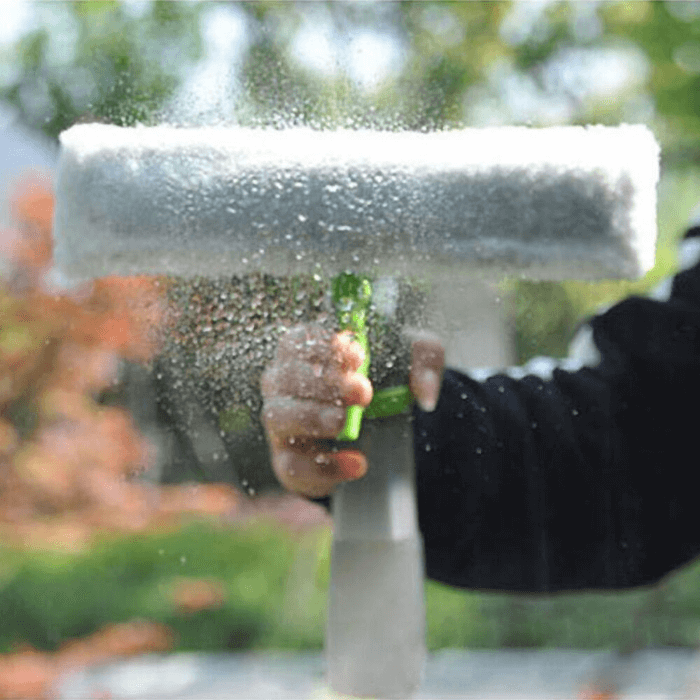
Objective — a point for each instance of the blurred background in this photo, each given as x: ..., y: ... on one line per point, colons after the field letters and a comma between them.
x: 193, y: 553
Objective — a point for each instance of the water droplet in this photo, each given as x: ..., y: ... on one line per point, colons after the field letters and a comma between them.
x: 244, y: 261
x: 534, y: 424
x: 251, y: 491
x: 302, y: 218
x: 428, y: 447
x: 501, y: 389
x: 161, y: 552
x: 463, y: 396
x: 574, y: 412
x: 389, y: 364
x: 479, y: 451
x: 291, y: 471
x: 183, y: 559
x: 483, y: 409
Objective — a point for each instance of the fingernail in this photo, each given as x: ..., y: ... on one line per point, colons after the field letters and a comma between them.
x: 351, y: 465
x: 429, y: 389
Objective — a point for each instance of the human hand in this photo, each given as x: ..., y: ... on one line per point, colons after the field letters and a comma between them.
x: 306, y: 389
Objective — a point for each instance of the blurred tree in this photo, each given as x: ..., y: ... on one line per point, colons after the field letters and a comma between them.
x: 66, y: 462
x: 452, y: 47
x: 456, y: 63
x: 96, y: 61
x: 669, y: 35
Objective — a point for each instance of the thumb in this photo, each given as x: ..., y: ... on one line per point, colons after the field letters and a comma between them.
x: 427, y: 368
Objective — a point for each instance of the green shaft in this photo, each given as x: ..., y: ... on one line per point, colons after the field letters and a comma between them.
x: 352, y: 295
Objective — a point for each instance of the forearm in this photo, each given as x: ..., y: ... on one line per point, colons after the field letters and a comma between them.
x: 507, y: 498
x: 573, y: 482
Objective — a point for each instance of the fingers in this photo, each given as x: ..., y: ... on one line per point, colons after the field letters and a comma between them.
x: 427, y: 367
x: 316, y: 345
x: 317, y: 381
x: 306, y: 391
x: 302, y: 467
x: 286, y: 417
x: 313, y: 363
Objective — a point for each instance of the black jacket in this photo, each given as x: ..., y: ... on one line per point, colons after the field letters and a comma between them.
x: 573, y: 474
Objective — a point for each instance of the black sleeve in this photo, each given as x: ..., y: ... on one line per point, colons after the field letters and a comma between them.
x: 573, y: 478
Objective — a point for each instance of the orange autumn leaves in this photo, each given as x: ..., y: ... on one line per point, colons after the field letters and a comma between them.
x: 67, y: 462
x: 190, y: 595
x: 29, y: 246
x: 119, y: 313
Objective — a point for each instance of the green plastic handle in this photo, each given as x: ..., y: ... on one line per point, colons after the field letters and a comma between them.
x: 352, y: 295
x: 390, y: 402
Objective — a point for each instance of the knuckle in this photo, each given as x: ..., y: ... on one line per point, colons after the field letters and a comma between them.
x: 332, y: 419
x: 268, y: 382
x: 269, y: 418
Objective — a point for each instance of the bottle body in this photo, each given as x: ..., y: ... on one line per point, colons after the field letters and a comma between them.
x: 375, y: 641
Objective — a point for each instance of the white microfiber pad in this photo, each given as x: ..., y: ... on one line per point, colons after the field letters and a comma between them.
x: 555, y: 203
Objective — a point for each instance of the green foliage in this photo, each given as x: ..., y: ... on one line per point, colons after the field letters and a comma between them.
x: 454, y: 617
x: 49, y: 598
x: 537, y: 49
x: 668, y: 33
x: 110, y: 67
x: 276, y: 586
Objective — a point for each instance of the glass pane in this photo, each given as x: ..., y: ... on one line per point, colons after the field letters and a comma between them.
x: 136, y: 472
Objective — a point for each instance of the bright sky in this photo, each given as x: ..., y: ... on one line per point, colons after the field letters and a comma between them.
x: 16, y: 19
x: 370, y: 56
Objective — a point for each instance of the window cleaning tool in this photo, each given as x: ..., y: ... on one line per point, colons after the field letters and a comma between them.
x: 558, y: 203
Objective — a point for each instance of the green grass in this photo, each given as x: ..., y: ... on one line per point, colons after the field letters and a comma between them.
x: 276, y: 584
x: 47, y: 598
